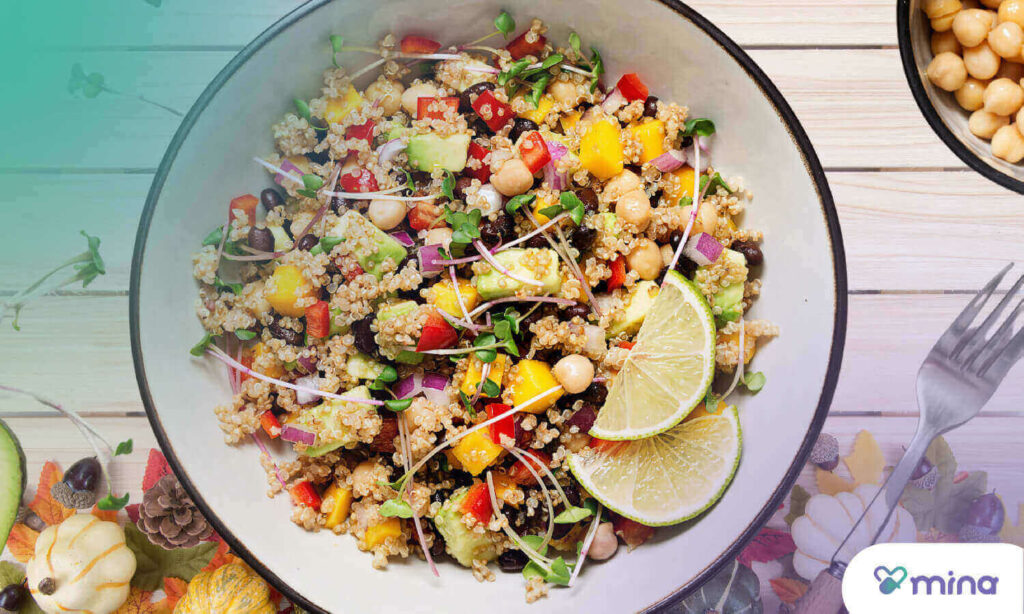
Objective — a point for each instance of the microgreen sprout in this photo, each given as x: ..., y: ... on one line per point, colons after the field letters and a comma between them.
x: 465, y: 228
x: 124, y: 448
x: 754, y: 382
x: 245, y: 334
x: 395, y: 508
x: 466, y: 404
x: 336, y: 44
x: 571, y: 204
x: 714, y: 181
x: 92, y: 84
x: 220, y: 284
x: 398, y: 405
x: 517, y: 202
x: 448, y: 185
x: 88, y: 266
x: 312, y: 183
x: 503, y: 24
x: 698, y: 126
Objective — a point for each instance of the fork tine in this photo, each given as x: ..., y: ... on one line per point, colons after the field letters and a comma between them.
x: 1001, y: 339
x: 1002, y: 362
x: 962, y: 321
x: 980, y: 332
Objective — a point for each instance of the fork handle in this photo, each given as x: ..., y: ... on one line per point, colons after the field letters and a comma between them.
x: 905, y: 468
x: 825, y: 595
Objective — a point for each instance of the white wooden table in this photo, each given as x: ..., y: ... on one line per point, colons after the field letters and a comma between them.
x: 922, y: 231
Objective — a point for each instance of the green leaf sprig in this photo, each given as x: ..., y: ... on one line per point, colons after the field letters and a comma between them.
x: 312, y: 183
x: 387, y: 376
x: 504, y: 24
x: 466, y: 404
x: 517, y: 202
x: 326, y: 245
x: 465, y: 228
x: 448, y: 185
x: 560, y: 571
x: 716, y: 181
x: 125, y: 447
x: 336, y: 43
x: 568, y: 202
x: 396, y: 508
x: 754, y: 382
x: 698, y: 126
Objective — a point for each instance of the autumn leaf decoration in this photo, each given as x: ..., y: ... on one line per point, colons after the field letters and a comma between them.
x: 865, y: 464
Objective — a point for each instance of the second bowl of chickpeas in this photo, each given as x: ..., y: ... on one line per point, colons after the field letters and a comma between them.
x: 964, y: 60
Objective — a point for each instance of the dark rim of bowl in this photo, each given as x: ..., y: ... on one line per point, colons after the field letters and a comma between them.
x: 928, y: 109
x: 812, y: 165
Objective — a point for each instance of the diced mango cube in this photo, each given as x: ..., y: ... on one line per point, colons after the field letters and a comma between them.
x: 601, y: 149
x: 569, y: 121
x: 476, y: 451
x: 475, y: 370
x: 442, y: 296
x: 544, y: 106
x: 453, y: 462
x: 503, y: 485
x: 338, y: 108
x: 286, y: 287
x: 341, y: 499
x: 529, y: 379
x: 651, y: 135
x: 375, y: 535
x: 749, y: 344
x: 679, y: 185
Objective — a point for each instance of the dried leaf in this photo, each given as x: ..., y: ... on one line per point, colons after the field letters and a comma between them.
x: 108, y: 515
x: 44, y: 505
x: 138, y: 602
x: 156, y: 468
x: 174, y: 589
x: 1013, y: 534
x: 154, y: 563
x: 866, y: 462
x: 788, y: 589
x: 768, y: 545
x: 831, y: 484
x: 945, y: 505
x: 133, y: 512
x: 797, y: 502
x: 21, y: 543
x: 221, y: 557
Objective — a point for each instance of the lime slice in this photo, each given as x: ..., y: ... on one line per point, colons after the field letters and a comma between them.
x: 669, y: 369
x: 668, y: 478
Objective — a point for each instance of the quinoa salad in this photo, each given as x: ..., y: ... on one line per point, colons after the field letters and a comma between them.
x: 425, y: 319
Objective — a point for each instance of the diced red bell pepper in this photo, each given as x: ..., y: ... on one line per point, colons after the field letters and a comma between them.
x: 247, y: 363
x: 494, y: 112
x: 441, y: 106
x: 626, y: 345
x: 631, y: 531
x: 632, y: 87
x: 418, y: 44
x: 362, y: 131
x: 271, y: 425
x: 506, y: 426
x: 477, y: 503
x: 244, y: 205
x: 352, y: 270
x: 437, y: 334
x: 303, y: 493
x: 359, y: 180
x: 520, y: 474
x: 618, y: 277
x: 423, y: 215
x: 479, y: 153
x: 520, y: 47
x: 534, y: 151
x: 318, y: 319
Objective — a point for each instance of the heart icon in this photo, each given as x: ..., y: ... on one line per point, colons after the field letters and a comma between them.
x: 892, y: 579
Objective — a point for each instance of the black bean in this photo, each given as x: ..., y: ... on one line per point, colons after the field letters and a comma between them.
x: 261, y: 239
x: 437, y: 549
x: 13, y: 595
x: 537, y: 241
x: 523, y: 436
x: 750, y: 250
x: 651, y: 106
x: 470, y: 94
x: 582, y: 237
x: 287, y: 335
x: 520, y: 126
x: 500, y: 229
x: 460, y: 187
x: 561, y: 530
x: 271, y: 198
x: 365, y: 341
x: 530, y: 319
x: 589, y: 198
x: 595, y: 393
x: 584, y: 418
x: 572, y: 493
x: 84, y: 475
x: 581, y: 311
x: 307, y: 242
x: 512, y: 561
x: 320, y: 158
x: 479, y: 127
x: 684, y: 265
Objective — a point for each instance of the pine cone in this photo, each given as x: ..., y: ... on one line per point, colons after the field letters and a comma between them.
x: 170, y: 519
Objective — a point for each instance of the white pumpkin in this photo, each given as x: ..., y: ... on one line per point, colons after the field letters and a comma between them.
x: 89, y: 565
x: 827, y: 519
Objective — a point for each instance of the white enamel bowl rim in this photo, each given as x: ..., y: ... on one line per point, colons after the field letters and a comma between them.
x: 812, y: 167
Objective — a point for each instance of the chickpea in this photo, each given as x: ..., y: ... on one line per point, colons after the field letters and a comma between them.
x: 1008, y: 144
x: 940, y: 8
x: 972, y: 26
x: 981, y: 61
x: 439, y: 236
x: 513, y: 178
x: 564, y: 92
x: 667, y: 253
x: 984, y: 124
x: 386, y: 213
x: 389, y: 93
x: 363, y: 476
x: 623, y: 183
x: 1006, y: 40
x: 947, y: 71
x: 634, y: 208
x: 412, y: 95
x: 944, y: 23
x: 1012, y: 10
x: 1003, y: 97
x: 970, y: 95
x: 707, y: 220
x: 574, y: 372
x: 645, y: 259
x: 604, y: 544
x: 945, y: 41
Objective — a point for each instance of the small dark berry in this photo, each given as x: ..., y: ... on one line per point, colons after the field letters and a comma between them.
x: 460, y: 187
x: 287, y: 335
x: 84, y: 475
x: 651, y: 106
x: 365, y: 339
x: 521, y: 126
x: 271, y: 198
x: 576, y: 311
x: 261, y: 239
x: 589, y: 198
x: 11, y: 597
x: 512, y: 561
x: 750, y: 250
x: 469, y: 95
x: 307, y: 242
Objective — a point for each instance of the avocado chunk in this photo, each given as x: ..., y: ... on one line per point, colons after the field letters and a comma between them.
x: 464, y: 545
x: 430, y: 152
x: 728, y: 301
x: 389, y: 310
x: 328, y: 417
x: 12, y: 480
x: 362, y: 366
x: 538, y: 264
x: 354, y: 227
x: 282, y: 242
x: 640, y: 301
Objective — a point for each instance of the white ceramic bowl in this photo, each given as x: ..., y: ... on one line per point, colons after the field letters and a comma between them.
x: 940, y: 109
x: 683, y: 58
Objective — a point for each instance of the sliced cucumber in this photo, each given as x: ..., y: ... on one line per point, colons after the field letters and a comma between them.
x: 12, y: 480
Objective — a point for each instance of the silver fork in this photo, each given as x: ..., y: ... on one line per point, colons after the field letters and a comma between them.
x: 959, y: 375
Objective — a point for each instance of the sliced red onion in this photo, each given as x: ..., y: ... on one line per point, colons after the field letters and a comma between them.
x: 308, y: 363
x: 305, y: 396
x: 297, y: 435
x: 613, y: 101
x: 556, y: 149
x: 387, y: 152
x: 522, y: 299
x: 430, y: 260
x: 403, y: 237
x: 555, y: 180
x: 583, y: 419
x: 669, y: 161
x: 704, y: 142
x: 703, y: 249
x: 289, y: 169
x: 486, y: 253
x: 702, y: 164
x: 430, y: 385
x: 407, y: 387
x: 434, y: 381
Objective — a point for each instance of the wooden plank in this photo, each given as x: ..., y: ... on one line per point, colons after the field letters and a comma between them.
x: 803, y: 22
x: 855, y: 104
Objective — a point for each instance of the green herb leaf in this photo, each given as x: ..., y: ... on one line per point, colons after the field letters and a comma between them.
x: 551, y: 60
x: 572, y: 515
x: 245, y: 334
x: 490, y: 389
x: 560, y: 573
x: 448, y: 185
x: 125, y: 447
x: 396, y: 507
x: 220, y: 284
x: 754, y: 381
x: 523, y: 200
x: 505, y: 24
x: 698, y: 126
x: 397, y: 484
x: 398, y: 405
x: 312, y: 182
x: 214, y: 237
x: 409, y: 183
x: 716, y: 181
x: 574, y: 42
x: 686, y: 201
x: 112, y: 503
x: 551, y: 211
x: 336, y: 43
x: 200, y: 348
x: 388, y: 374
x: 535, y: 541
x: 596, y: 62
x: 571, y: 203
x: 538, y: 90
x: 489, y: 354
x: 513, y: 71
x: 154, y: 563
x: 303, y: 108
x: 465, y: 403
